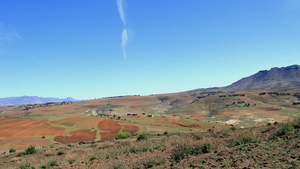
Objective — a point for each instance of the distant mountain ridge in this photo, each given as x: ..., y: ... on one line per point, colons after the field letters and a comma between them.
x: 11, y: 101
x: 275, y: 78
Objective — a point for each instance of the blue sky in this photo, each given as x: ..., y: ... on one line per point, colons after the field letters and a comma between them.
x: 91, y: 49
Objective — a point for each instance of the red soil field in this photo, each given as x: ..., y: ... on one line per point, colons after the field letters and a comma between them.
x: 4, y: 144
x: 131, y: 129
x: 18, y: 129
x: 72, y: 121
x: 108, y: 135
x: 89, y: 123
x: 11, y: 122
x: 109, y: 125
x: 7, y: 119
x: 33, y: 131
x: 13, y: 125
x: 111, y: 128
x: 53, y: 131
x: 77, y: 136
x: 37, y: 142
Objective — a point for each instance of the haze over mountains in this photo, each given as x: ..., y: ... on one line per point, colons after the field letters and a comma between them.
x: 273, y: 79
x: 10, y: 101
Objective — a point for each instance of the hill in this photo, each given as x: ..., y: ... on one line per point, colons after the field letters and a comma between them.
x: 273, y: 79
x: 11, y: 101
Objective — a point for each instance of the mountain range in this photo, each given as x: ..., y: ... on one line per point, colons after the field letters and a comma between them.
x: 11, y: 101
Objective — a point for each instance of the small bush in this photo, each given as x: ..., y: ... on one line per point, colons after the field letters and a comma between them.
x: 51, y: 163
x: 26, y: 165
x: 94, y: 158
x: 283, y: 131
x: 82, y: 142
x: 269, y: 124
x: 61, y: 153
x: 31, y: 150
x: 71, y: 161
x: 49, y: 154
x: 181, y: 151
x: 118, y: 165
x: 166, y: 132
x: 43, y: 137
x: 198, y: 136
x: 106, y: 146
x: 243, y: 140
x: 124, y: 134
x: 142, y: 137
x: 12, y: 151
x: 21, y: 154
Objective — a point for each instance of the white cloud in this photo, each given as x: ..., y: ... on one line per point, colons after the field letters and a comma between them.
x: 124, y: 41
x: 121, y: 11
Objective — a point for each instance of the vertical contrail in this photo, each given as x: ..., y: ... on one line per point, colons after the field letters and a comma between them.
x: 124, y: 36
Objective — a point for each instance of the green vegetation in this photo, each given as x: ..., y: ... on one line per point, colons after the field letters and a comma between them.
x: 243, y: 140
x: 31, y: 150
x: 51, y: 163
x: 181, y: 151
x: 12, y: 151
x: 142, y: 137
x: 26, y: 165
x: 61, y: 153
x: 124, y: 134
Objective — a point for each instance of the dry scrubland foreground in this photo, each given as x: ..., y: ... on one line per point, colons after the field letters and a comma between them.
x: 273, y: 146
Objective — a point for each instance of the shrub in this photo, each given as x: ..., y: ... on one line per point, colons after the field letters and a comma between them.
x: 26, y: 165
x: 49, y: 154
x: 198, y: 136
x: 43, y: 137
x: 30, y: 150
x: 106, y: 146
x: 181, y: 151
x: 269, y: 124
x: 12, y: 151
x: 166, y: 132
x: 275, y: 123
x: 20, y: 154
x: 243, y: 140
x: 71, y: 161
x: 142, y: 137
x: 283, y: 131
x: 94, y: 158
x: 124, y: 134
x: 61, y: 153
x: 118, y: 165
x: 51, y: 163
x: 82, y: 142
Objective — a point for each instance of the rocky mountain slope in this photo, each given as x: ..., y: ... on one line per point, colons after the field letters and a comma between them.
x: 275, y: 78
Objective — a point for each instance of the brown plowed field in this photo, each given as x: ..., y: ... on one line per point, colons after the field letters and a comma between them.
x: 16, y: 130
x: 131, y: 129
x: 110, y: 129
x: 53, y: 131
x: 88, y: 123
x: 7, y: 142
x: 72, y: 121
x: 77, y: 136
x: 33, y: 131
x: 11, y: 122
x: 13, y: 125
x: 109, y: 125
